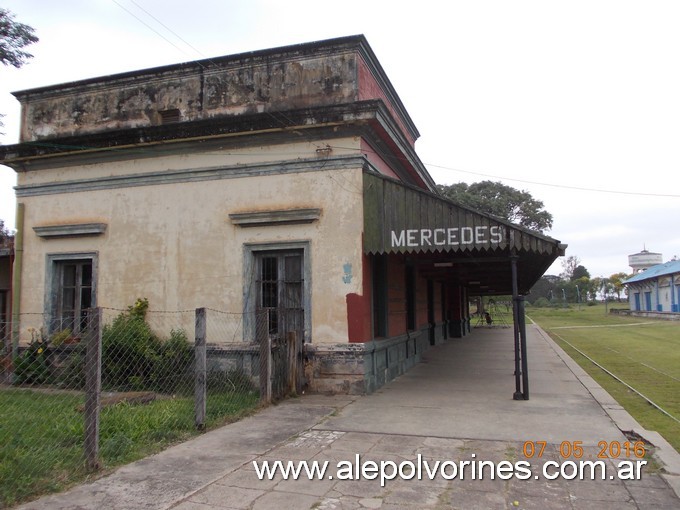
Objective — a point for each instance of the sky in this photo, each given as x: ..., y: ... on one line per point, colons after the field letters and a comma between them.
x: 576, y: 102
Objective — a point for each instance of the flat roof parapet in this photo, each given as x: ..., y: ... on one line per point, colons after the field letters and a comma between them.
x: 310, y: 75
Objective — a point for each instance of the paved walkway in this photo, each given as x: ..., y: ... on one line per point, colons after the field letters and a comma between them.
x: 455, y: 406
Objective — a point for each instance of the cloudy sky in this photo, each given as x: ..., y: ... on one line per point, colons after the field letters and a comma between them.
x: 576, y: 102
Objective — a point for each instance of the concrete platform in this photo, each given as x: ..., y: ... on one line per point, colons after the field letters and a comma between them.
x: 457, y: 405
x: 464, y: 389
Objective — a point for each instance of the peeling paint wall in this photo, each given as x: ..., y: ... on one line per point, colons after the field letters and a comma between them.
x: 175, y: 244
x: 200, y: 92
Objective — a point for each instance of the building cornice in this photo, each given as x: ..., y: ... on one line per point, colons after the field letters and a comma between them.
x: 195, y: 77
x: 369, y: 119
x: 299, y: 123
x: 193, y: 175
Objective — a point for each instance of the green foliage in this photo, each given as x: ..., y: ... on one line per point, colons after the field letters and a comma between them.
x: 128, y: 348
x: 644, y: 355
x: 33, y: 364
x: 135, y: 358
x: 171, y: 368
x: 616, y: 280
x: 541, y: 302
x: 60, y: 337
x: 13, y: 37
x: 500, y: 200
x: 41, y: 443
x: 41, y: 435
x: 5, y: 233
x: 231, y: 380
x: 72, y: 376
x: 139, y: 309
x: 580, y: 272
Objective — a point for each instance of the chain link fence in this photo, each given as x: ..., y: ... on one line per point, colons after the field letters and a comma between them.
x: 83, y: 394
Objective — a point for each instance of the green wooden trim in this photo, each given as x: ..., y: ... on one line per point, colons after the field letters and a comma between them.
x: 399, y: 218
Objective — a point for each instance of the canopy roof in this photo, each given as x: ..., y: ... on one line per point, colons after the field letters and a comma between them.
x: 664, y: 269
x: 450, y: 242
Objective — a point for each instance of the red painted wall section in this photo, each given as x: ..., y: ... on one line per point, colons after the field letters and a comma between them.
x: 360, y: 311
x: 377, y: 161
x: 421, y: 302
x: 370, y: 89
x: 359, y: 307
x: 396, y: 296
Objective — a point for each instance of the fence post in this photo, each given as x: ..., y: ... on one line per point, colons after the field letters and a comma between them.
x: 265, y: 343
x: 291, y: 340
x: 299, y: 361
x: 200, y: 357
x: 93, y: 386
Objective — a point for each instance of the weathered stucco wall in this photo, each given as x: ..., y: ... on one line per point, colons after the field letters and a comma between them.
x: 175, y: 244
x: 253, y: 84
x: 148, y: 161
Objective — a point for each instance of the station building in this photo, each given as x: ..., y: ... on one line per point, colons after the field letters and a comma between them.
x: 655, y: 289
x: 284, y: 179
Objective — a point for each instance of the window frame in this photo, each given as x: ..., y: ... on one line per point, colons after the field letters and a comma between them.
x: 277, y: 289
x: 53, y: 282
x: 250, y: 277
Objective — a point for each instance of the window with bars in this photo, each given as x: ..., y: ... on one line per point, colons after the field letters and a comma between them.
x: 280, y: 289
x: 72, y: 291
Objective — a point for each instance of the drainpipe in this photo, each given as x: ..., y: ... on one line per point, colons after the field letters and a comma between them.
x: 16, y: 278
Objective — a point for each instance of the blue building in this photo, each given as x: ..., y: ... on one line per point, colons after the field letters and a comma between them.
x: 656, y: 289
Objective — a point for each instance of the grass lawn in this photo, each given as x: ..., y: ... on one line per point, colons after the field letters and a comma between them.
x: 41, y: 435
x: 645, y: 353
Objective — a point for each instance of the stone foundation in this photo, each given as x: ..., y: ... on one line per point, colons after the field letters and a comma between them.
x: 361, y: 368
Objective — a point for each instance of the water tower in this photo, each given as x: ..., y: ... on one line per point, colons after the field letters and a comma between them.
x: 644, y: 260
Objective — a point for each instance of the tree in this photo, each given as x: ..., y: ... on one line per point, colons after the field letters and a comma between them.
x: 582, y: 289
x: 4, y: 232
x: 606, y: 287
x: 14, y: 36
x: 616, y: 281
x: 500, y: 200
x: 592, y: 289
x: 569, y: 266
x: 580, y: 272
x: 545, y: 288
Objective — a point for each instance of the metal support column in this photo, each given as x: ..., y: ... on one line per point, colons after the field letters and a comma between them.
x: 523, y: 348
x: 516, y: 329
